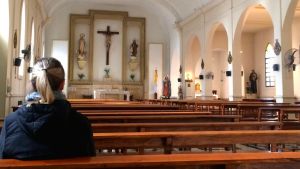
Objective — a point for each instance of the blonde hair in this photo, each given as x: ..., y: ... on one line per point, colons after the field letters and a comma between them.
x: 47, y: 76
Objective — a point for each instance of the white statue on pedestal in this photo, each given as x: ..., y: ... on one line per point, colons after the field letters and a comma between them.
x: 81, y: 58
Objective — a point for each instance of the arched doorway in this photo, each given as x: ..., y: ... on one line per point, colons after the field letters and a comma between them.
x: 254, y: 31
x: 296, y: 45
x: 216, y: 61
x: 191, y: 61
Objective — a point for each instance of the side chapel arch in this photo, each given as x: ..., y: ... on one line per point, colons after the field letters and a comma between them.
x: 253, y: 32
x: 216, y: 61
x: 291, y: 26
x: 191, y: 64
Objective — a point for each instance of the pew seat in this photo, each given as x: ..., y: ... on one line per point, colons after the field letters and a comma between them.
x: 275, y: 140
x: 201, y: 126
x: 290, y: 160
x: 160, y: 118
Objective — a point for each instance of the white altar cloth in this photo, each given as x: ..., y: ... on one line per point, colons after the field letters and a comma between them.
x: 104, y: 93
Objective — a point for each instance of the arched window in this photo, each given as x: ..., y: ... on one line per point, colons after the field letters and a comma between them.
x: 269, y: 57
x: 22, y: 39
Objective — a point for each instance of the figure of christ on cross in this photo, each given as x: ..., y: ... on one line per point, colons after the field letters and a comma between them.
x: 108, y: 35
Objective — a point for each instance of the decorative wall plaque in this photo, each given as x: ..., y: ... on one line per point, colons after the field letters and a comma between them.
x: 15, y: 39
x: 277, y: 48
x: 229, y: 59
x: 202, y: 64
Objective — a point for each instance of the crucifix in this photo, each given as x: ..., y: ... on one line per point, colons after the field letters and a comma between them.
x: 108, y: 35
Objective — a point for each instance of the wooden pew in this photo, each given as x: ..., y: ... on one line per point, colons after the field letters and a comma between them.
x: 131, y: 111
x: 288, y: 123
x: 257, y: 111
x: 207, y: 126
x: 141, y: 113
x: 101, y: 101
x: 169, y: 140
x: 261, y: 160
x: 122, y: 107
x: 268, y: 100
x: 163, y: 118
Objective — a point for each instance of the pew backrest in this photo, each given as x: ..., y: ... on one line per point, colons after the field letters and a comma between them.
x: 237, y: 160
x: 169, y: 140
x: 207, y: 126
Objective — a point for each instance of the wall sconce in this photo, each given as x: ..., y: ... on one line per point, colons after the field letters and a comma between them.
x: 17, y: 61
x: 228, y: 73
x: 29, y: 69
x: 276, y: 67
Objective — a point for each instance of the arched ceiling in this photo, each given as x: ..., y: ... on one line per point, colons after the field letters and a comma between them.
x: 180, y: 9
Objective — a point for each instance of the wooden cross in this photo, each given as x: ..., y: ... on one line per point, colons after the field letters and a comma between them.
x: 108, y: 35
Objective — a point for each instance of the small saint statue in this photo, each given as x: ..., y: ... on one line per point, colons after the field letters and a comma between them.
x: 166, y: 87
x: 253, y: 79
x: 81, y: 58
x: 133, y: 48
x: 81, y: 48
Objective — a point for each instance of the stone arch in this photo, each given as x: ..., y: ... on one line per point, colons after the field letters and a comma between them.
x: 191, y: 62
x: 193, y: 54
x: 250, y: 38
x: 291, y: 31
x: 216, y: 60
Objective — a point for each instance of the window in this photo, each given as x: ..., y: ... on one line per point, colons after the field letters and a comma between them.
x: 269, y: 57
x: 22, y: 40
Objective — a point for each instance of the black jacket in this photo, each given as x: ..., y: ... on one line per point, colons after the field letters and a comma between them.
x: 45, y: 131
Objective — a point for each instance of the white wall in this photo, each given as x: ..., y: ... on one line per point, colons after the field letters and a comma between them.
x: 60, y: 52
x: 260, y: 42
x: 219, y: 64
x: 247, y: 54
x: 155, y: 63
x: 175, y: 62
x: 58, y: 26
x: 16, y: 87
x: 296, y: 44
x: 4, y: 35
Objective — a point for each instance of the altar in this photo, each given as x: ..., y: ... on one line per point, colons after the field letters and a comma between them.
x: 111, y: 94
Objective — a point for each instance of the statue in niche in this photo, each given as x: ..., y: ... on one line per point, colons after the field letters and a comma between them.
x: 133, y: 63
x: 81, y: 58
x: 133, y: 48
x: 253, y: 79
x: 166, y: 87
